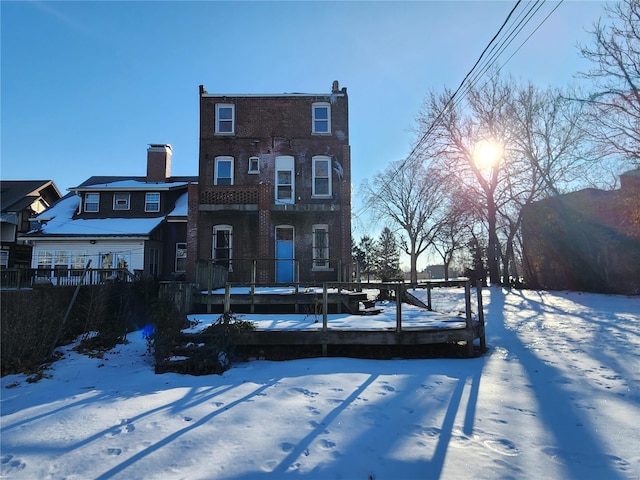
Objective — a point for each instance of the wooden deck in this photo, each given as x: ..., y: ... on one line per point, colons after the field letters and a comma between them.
x: 462, y: 330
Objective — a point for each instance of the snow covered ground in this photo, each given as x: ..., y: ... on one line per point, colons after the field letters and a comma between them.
x: 556, y: 397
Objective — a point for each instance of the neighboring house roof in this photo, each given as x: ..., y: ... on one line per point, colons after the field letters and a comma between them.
x: 58, y: 222
x: 102, y: 183
x: 16, y: 195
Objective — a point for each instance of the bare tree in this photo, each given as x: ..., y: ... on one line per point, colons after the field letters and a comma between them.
x: 407, y: 194
x: 615, y: 58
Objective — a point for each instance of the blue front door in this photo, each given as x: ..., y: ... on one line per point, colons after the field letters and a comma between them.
x: 284, y: 255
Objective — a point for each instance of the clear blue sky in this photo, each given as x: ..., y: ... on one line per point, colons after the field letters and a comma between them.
x: 87, y: 85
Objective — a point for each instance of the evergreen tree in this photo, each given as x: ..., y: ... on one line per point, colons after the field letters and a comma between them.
x: 364, y: 253
x: 387, y: 261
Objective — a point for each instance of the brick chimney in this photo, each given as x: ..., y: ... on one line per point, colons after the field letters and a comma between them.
x: 158, y: 162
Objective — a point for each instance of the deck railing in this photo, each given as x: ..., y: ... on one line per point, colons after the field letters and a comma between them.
x: 16, y: 278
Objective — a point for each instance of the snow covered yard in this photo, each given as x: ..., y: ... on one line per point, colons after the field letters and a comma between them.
x: 557, y: 397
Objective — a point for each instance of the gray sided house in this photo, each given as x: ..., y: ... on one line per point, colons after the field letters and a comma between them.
x: 587, y: 240
x: 273, y: 200
x: 21, y: 201
x: 137, y: 223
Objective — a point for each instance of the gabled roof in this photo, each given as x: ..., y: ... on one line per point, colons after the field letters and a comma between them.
x: 16, y: 195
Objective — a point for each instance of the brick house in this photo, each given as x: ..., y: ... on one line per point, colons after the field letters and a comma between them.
x: 273, y: 197
x: 138, y: 223
x: 21, y: 201
x: 587, y: 240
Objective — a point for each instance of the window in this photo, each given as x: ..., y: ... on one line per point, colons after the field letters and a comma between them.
x: 223, y: 171
x: 225, y: 118
x: 321, y: 118
x: 181, y: 257
x: 320, y: 247
x: 254, y: 164
x: 222, y: 245
x: 92, y: 202
x: 285, y: 188
x: 321, y: 176
x: 77, y: 264
x: 45, y: 259
x: 121, y: 201
x: 4, y: 258
x: 154, y: 262
x: 61, y: 263
x: 152, y: 202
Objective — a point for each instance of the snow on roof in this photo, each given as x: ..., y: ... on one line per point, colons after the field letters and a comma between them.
x: 132, y: 185
x: 180, y: 210
x: 59, y: 221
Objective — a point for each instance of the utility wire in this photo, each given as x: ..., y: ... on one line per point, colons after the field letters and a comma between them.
x: 472, y: 77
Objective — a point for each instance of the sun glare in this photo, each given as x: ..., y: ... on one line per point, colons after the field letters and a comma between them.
x: 487, y: 154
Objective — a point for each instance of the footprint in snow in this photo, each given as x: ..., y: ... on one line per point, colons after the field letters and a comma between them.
x: 10, y: 464
x: 114, y: 451
x: 502, y: 446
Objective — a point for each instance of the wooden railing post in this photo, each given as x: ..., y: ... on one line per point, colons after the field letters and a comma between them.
x: 227, y: 299
x: 398, y: 307
x: 483, y: 340
x: 467, y: 303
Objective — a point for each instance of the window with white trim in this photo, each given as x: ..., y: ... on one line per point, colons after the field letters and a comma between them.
x: 225, y: 118
x: 152, y: 202
x: 320, y: 247
x: 4, y: 258
x: 223, y: 171
x: 181, y: 257
x: 285, y: 178
x: 321, y: 186
x: 222, y: 245
x: 121, y: 201
x: 91, y: 202
x: 321, y: 121
x: 254, y: 164
x: 154, y: 262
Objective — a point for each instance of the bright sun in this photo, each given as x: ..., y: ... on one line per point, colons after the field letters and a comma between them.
x: 486, y: 154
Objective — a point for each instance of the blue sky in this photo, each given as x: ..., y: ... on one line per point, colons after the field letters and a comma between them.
x: 87, y: 85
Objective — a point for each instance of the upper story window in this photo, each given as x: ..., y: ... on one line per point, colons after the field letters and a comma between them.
x: 121, y: 201
x: 225, y: 118
x: 4, y: 258
x: 152, y: 202
x: 285, y: 187
x: 254, y: 164
x: 92, y: 202
x: 321, y: 166
x: 223, y: 171
x: 321, y: 118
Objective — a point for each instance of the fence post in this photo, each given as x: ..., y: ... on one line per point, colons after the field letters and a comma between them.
x: 325, y: 304
x: 227, y: 299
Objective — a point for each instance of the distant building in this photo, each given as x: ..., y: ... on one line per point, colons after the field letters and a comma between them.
x: 137, y: 223
x: 21, y: 201
x: 587, y: 240
x: 274, y: 187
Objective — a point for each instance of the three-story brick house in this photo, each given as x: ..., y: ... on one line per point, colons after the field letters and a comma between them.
x: 273, y: 199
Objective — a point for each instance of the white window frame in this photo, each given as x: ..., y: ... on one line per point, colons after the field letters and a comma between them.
x: 320, y: 253
x: 317, y: 122
x: 148, y: 203
x: 154, y: 262
x: 220, y: 122
x: 216, y: 170
x: 285, y: 164
x: 214, y: 246
x: 95, y: 201
x: 181, y: 254
x: 121, y: 201
x: 254, y: 165
x: 314, y: 190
